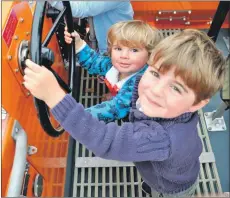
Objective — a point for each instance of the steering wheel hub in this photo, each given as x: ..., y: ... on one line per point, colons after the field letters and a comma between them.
x: 23, y: 54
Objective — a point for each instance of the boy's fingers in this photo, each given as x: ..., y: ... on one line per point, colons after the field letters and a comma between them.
x: 67, y: 34
x: 68, y: 40
x: 74, y: 34
x: 33, y: 66
x: 66, y: 29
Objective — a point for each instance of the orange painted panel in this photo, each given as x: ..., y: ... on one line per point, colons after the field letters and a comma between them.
x: 20, y: 106
x: 174, y: 15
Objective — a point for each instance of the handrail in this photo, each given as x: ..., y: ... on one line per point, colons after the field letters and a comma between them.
x: 19, y: 164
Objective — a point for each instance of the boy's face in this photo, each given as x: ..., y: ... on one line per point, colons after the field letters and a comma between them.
x: 128, y: 60
x: 164, y: 95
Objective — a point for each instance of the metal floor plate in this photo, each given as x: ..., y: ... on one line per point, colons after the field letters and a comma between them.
x: 96, y: 177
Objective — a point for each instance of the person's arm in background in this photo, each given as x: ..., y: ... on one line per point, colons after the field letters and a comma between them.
x: 83, y: 9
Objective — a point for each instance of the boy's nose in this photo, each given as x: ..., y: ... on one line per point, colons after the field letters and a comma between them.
x: 158, y: 89
x: 125, y: 54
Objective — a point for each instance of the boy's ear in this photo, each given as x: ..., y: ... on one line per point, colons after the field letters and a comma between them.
x: 199, y: 105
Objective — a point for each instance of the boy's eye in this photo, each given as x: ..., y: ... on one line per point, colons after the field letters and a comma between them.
x: 117, y: 48
x: 175, y: 88
x: 134, y: 50
x: 155, y: 74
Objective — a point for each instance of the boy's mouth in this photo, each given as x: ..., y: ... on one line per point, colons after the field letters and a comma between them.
x: 124, y: 65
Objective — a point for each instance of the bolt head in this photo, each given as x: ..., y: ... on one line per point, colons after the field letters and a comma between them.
x: 9, y: 57
x: 21, y: 20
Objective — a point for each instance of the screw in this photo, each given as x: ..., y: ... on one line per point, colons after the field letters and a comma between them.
x: 174, y: 12
x: 223, y: 128
x: 159, y: 12
x: 170, y: 18
x: 209, y: 128
x: 189, y: 11
x: 28, y: 93
x: 157, y: 19
x: 9, y: 57
x: 21, y: 20
x: 206, y: 114
x: 15, y: 37
x: 16, y: 70
x: 27, y: 33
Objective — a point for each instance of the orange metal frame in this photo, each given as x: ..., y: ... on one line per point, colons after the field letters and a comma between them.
x: 171, y: 14
x: 50, y: 160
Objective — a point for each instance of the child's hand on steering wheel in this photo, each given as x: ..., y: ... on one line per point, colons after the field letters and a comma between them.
x: 69, y: 38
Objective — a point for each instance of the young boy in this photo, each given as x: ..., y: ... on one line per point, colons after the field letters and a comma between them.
x: 130, y: 44
x: 185, y: 71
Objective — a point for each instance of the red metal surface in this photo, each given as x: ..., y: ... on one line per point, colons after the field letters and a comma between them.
x: 9, y: 30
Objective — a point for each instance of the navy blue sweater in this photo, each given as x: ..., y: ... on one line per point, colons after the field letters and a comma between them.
x: 165, y: 151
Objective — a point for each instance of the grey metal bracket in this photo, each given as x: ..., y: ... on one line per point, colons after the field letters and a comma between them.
x: 19, y: 163
x: 218, y: 124
x: 226, y: 41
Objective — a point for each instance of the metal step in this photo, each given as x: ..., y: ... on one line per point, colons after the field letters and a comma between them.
x: 96, y: 177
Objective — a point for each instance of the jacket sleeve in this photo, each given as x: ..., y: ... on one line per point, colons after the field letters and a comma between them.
x: 116, y: 108
x: 130, y: 142
x: 83, y: 9
x: 93, y: 61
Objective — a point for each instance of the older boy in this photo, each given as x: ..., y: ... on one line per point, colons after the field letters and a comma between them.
x: 161, y: 138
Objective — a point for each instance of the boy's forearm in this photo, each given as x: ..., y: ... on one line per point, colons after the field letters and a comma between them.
x: 93, y: 61
x: 79, y: 45
x: 111, y: 141
x: 54, y: 100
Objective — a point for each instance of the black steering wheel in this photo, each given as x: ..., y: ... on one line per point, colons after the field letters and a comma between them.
x: 36, y: 46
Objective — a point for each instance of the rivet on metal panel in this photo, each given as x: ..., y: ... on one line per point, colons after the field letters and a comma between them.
x: 15, y: 37
x: 9, y: 57
x: 27, y: 33
x: 174, y: 12
x: 159, y: 12
x: 190, y: 11
x: 21, y: 20
x: 32, y: 150
x: 16, y: 70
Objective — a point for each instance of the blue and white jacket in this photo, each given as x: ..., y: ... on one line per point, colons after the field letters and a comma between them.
x: 118, y: 107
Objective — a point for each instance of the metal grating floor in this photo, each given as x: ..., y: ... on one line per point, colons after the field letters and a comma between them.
x: 96, y: 177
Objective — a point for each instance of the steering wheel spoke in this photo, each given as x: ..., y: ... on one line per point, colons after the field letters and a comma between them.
x: 54, y: 28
